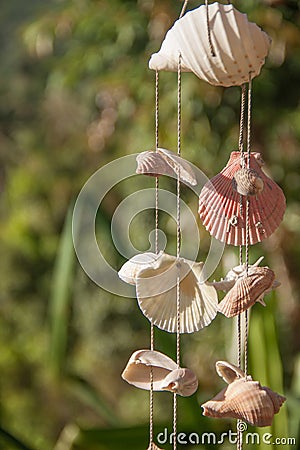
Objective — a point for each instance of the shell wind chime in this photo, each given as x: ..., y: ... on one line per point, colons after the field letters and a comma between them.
x: 240, y: 206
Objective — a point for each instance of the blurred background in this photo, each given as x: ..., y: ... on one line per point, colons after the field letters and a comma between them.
x: 76, y: 93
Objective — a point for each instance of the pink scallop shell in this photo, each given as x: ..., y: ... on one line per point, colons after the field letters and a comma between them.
x: 219, y: 205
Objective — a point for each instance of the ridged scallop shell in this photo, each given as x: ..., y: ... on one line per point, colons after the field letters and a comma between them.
x: 156, y: 288
x: 131, y: 268
x: 219, y: 205
x: 240, y: 46
x: 247, y: 291
x: 165, y: 162
x: 167, y: 376
x: 229, y: 372
x: 247, y: 182
x: 246, y: 400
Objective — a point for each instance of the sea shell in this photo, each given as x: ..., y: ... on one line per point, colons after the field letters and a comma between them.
x: 247, y: 291
x: 156, y: 288
x: 165, y: 162
x: 240, y: 47
x: 246, y: 400
x: 167, y: 376
x: 237, y: 272
x: 220, y: 211
x: 153, y: 446
x: 229, y: 372
x: 131, y: 268
x: 247, y: 182
x: 181, y: 381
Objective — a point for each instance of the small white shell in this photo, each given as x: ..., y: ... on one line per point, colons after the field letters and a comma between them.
x: 138, y: 369
x: 166, y: 375
x: 156, y: 287
x: 165, y: 162
x: 153, y: 446
x: 240, y: 46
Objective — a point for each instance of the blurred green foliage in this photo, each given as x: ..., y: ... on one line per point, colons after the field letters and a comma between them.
x: 75, y: 94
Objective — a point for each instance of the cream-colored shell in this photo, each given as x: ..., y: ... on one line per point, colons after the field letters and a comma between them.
x: 153, y: 446
x: 247, y: 291
x: 166, y: 375
x: 156, y: 288
x: 131, y: 268
x: 165, y: 162
x: 247, y: 182
x: 229, y: 372
x: 246, y: 400
x: 240, y: 46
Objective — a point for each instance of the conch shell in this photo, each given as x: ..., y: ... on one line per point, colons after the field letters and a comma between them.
x: 239, y: 272
x: 247, y: 291
x: 247, y: 182
x: 166, y: 375
x: 165, y: 162
x: 246, y: 400
x: 229, y: 372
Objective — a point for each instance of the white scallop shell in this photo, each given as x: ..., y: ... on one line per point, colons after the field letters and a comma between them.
x: 240, y: 46
x: 131, y: 268
x: 165, y: 162
x: 156, y: 287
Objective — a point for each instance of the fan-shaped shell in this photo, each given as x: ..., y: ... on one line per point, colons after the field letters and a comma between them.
x: 246, y: 400
x: 131, y: 268
x: 247, y: 182
x: 165, y: 162
x: 229, y: 372
x: 181, y: 381
x: 247, y: 291
x: 240, y: 47
x: 156, y: 288
x: 219, y: 205
x: 166, y: 375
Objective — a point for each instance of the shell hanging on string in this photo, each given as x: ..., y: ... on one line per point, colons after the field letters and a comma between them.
x: 247, y: 182
x: 247, y: 291
x: 156, y: 288
x: 165, y: 162
x: 246, y: 400
x: 220, y: 211
x: 239, y: 272
x: 229, y: 372
x: 239, y: 47
x: 153, y: 446
x: 167, y: 376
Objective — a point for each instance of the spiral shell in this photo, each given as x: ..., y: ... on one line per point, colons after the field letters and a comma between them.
x: 165, y: 162
x: 247, y: 291
x: 247, y: 182
x: 222, y: 215
x: 246, y: 400
x: 239, y: 46
x: 166, y: 375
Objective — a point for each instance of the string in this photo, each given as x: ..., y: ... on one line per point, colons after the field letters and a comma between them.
x: 212, y: 51
x: 151, y: 406
x: 178, y: 244
x: 239, y: 327
x: 247, y: 216
x: 183, y: 8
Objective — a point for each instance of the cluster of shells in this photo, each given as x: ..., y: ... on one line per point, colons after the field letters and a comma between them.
x: 240, y: 48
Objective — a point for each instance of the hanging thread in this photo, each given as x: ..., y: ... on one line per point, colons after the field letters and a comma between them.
x: 183, y: 8
x: 212, y: 51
